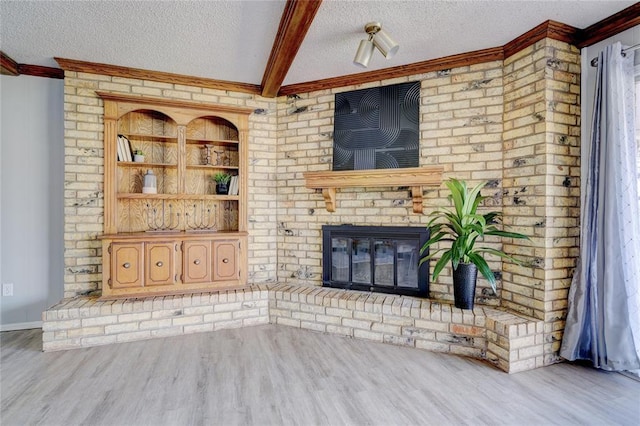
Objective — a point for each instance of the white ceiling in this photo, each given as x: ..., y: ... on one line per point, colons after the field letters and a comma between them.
x: 231, y: 40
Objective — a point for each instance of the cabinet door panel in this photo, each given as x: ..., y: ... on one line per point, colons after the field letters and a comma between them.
x: 197, y: 262
x: 160, y: 263
x: 225, y: 260
x: 127, y: 265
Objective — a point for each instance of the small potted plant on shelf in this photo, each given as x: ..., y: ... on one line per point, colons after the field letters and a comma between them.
x: 138, y: 156
x: 222, y: 182
x: 462, y: 228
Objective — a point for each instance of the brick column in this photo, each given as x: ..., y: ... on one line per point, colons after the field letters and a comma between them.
x: 541, y: 182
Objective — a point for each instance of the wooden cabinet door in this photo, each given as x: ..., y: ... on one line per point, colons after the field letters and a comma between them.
x: 160, y: 263
x: 225, y: 260
x: 196, y: 262
x: 127, y: 268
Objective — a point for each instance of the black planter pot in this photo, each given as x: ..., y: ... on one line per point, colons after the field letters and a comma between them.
x: 464, y: 285
x: 222, y: 188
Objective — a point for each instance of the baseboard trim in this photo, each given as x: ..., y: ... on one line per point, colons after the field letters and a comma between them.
x: 21, y: 326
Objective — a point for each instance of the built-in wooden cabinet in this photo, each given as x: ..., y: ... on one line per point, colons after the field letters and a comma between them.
x: 184, y: 237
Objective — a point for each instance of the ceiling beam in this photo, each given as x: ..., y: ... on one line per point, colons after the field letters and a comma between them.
x: 294, y: 24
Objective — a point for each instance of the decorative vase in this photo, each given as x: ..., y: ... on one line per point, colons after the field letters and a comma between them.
x: 222, y: 188
x: 137, y: 158
x: 464, y: 285
x: 150, y: 183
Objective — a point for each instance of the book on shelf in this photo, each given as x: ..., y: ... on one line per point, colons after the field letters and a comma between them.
x: 119, y: 149
x: 127, y: 153
x: 233, y: 185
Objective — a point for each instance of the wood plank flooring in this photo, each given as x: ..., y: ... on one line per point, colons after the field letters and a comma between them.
x: 270, y: 375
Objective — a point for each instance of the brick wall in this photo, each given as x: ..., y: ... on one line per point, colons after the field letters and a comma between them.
x: 84, y: 153
x: 513, y: 123
x: 542, y: 181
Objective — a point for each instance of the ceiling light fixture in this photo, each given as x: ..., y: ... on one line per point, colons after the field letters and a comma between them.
x: 378, y: 38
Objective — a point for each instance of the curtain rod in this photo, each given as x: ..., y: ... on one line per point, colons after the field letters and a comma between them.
x: 594, y: 61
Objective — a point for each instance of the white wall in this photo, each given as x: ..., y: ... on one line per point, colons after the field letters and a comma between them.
x: 31, y: 197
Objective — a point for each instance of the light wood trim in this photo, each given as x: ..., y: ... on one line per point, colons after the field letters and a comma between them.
x: 294, y: 24
x: 243, y: 176
x: 453, y: 61
x: 164, y: 77
x: 416, y: 178
x: 8, y: 66
x: 110, y: 170
x: 608, y: 27
x: 141, y: 196
x: 140, y: 102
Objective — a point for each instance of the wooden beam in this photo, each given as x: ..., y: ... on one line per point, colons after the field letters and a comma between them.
x: 608, y: 27
x: 7, y: 65
x: 294, y: 24
x: 164, y: 77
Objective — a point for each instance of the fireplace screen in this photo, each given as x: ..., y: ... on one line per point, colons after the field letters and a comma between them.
x: 375, y: 258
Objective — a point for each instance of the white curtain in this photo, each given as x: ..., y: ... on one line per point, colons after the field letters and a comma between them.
x: 603, y: 321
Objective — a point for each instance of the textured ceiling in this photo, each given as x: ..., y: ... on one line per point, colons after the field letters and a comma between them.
x: 232, y: 40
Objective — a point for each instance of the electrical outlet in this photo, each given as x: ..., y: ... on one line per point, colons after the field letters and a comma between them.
x: 7, y: 289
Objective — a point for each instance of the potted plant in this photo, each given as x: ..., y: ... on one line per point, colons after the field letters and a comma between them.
x: 463, y: 228
x: 138, y: 156
x: 222, y: 182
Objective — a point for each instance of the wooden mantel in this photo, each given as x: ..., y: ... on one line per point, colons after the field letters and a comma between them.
x: 416, y: 178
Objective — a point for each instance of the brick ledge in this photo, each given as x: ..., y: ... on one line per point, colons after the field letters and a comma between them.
x: 510, y: 341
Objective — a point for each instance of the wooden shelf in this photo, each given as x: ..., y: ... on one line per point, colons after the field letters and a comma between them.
x: 159, y: 138
x: 211, y: 167
x: 145, y: 164
x: 416, y: 178
x: 139, y: 196
x: 215, y: 142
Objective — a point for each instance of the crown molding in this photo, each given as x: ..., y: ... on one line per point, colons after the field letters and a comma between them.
x: 296, y: 19
x: 608, y: 27
x: 163, y: 77
x: 7, y: 65
x: 453, y: 61
x: 11, y: 67
x: 549, y: 29
x: 39, y: 71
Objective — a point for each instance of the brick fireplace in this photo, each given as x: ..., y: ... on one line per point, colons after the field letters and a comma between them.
x: 513, y: 122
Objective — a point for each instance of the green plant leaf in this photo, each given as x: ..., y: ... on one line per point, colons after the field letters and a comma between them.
x: 501, y: 254
x: 484, y: 269
x: 472, y: 199
x: 446, y: 256
x: 507, y: 234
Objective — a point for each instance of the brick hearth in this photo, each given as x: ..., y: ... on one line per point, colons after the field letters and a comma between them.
x: 511, y: 342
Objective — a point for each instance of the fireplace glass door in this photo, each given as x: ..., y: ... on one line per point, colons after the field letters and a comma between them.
x: 370, y: 258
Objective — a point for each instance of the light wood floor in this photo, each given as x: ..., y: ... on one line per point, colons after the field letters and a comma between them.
x: 271, y: 375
